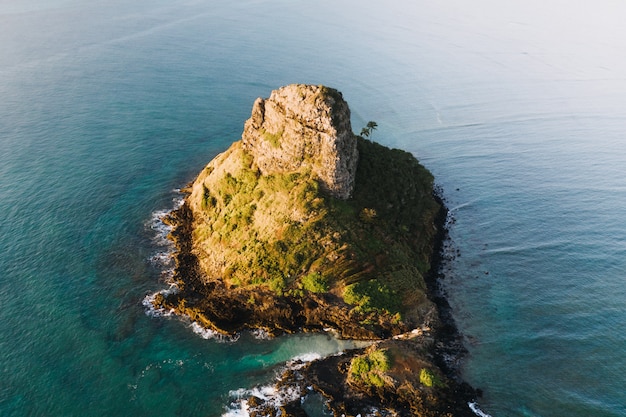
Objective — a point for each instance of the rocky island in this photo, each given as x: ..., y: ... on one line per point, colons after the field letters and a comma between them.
x: 304, y: 226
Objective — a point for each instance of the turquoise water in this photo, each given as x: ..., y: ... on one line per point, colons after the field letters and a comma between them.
x: 107, y: 107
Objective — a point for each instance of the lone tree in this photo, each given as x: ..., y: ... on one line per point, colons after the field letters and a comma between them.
x: 368, y: 129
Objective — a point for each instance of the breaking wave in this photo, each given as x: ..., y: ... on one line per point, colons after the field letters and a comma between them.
x: 148, y: 302
x: 163, y: 258
x: 270, y: 395
x: 477, y: 411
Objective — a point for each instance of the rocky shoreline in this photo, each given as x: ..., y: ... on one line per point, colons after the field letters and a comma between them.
x: 303, y: 226
x: 441, y: 344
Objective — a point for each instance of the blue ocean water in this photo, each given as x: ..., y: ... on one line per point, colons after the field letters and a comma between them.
x: 108, y: 107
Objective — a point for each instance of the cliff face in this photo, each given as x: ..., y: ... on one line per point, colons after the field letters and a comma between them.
x: 304, y: 127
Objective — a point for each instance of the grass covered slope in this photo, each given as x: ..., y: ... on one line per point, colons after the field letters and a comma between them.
x: 278, y: 242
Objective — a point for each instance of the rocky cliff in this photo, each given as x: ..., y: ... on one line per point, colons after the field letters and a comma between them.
x: 303, y: 226
x: 304, y: 127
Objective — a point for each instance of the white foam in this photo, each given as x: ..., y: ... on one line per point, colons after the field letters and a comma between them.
x: 163, y: 259
x: 203, y: 331
x: 161, y: 229
x: 271, y: 396
x: 261, y: 334
x: 299, y: 361
x: 148, y: 302
x: 474, y: 407
x: 207, y: 334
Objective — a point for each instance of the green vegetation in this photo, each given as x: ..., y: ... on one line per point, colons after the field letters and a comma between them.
x: 284, y: 233
x: 273, y: 138
x: 369, y: 369
x: 429, y: 379
x: 367, y: 215
x: 245, y: 220
x: 315, y: 282
x: 372, y: 295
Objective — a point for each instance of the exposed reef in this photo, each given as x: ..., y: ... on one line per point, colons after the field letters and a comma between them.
x: 303, y: 226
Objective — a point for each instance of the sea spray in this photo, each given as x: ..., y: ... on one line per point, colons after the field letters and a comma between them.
x: 271, y: 396
x: 148, y: 302
x: 163, y: 258
x: 207, y: 334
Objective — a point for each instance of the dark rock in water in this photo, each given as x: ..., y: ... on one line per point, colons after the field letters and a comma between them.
x: 404, y: 392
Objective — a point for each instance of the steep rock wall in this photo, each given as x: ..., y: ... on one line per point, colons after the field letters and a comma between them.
x: 304, y: 127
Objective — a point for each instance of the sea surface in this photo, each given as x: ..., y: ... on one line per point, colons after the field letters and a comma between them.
x: 107, y: 108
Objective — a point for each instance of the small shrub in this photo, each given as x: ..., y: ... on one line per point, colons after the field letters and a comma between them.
x: 208, y: 201
x: 315, y: 282
x: 368, y: 215
x: 430, y: 379
x: 296, y: 292
x: 370, y: 368
x: 277, y: 284
x: 372, y: 296
x: 376, y: 380
x: 273, y: 138
x: 380, y: 360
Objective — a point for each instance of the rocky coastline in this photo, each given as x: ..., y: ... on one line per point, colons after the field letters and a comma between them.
x: 368, y: 244
x: 440, y: 344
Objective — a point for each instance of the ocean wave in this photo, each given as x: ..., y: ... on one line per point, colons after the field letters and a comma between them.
x: 207, y: 334
x: 270, y: 395
x: 299, y: 361
x: 159, y: 227
x: 461, y: 206
x: 197, y: 328
x: 157, y: 224
x: 477, y: 411
x: 164, y: 257
x: 148, y: 302
x: 261, y: 334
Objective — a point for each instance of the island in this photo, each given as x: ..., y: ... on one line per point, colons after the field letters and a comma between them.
x: 304, y: 226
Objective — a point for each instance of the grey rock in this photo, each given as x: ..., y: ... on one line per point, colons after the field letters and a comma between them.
x: 304, y: 127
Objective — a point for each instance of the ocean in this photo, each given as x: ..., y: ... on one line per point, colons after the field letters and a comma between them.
x: 108, y: 108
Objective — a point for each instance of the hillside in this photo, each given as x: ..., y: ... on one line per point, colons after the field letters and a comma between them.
x: 303, y: 226
x: 285, y: 242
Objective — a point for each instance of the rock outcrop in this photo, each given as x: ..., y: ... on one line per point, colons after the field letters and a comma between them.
x: 303, y: 215
x: 303, y: 226
x: 304, y: 126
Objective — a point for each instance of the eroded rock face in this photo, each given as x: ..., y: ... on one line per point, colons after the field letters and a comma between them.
x: 304, y: 127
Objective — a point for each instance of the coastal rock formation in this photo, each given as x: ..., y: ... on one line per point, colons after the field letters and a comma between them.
x: 304, y: 126
x: 390, y: 378
x: 303, y: 226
